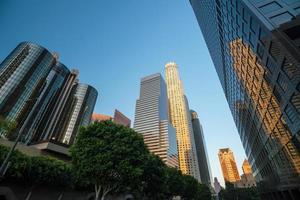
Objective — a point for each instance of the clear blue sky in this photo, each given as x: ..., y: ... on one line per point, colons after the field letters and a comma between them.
x: 116, y: 42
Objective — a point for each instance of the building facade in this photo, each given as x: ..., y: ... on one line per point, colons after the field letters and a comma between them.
x: 22, y: 75
x: 100, y: 117
x: 228, y: 165
x: 180, y: 119
x: 203, y: 161
x: 77, y: 113
x: 255, y: 49
x: 152, y: 120
x: 43, y: 96
x: 120, y: 118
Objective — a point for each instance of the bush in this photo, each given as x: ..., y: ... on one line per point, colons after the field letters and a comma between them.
x: 37, y: 169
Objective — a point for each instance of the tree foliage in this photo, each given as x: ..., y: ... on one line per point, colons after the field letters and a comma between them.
x: 108, y: 156
x: 36, y: 170
x: 232, y: 193
x: 7, y: 128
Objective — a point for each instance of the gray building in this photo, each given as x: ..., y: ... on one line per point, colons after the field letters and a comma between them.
x: 254, y: 45
x: 152, y: 120
x: 201, y: 151
x: 22, y: 76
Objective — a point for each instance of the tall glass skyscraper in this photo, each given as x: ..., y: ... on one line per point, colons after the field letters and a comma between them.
x: 43, y: 96
x: 152, y: 120
x: 22, y: 76
x: 255, y: 45
x: 201, y: 151
x: 180, y: 119
x: 78, y: 111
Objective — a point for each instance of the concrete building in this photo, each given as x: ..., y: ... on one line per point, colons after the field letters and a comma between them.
x: 255, y: 49
x: 152, y: 120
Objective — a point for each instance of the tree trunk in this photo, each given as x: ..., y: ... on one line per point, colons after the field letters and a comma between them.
x: 97, y: 191
x: 28, y: 195
x: 60, y: 196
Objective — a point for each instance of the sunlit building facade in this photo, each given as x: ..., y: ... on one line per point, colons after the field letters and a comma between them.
x: 255, y: 45
x: 228, y: 165
x: 180, y: 119
x: 152, y: 120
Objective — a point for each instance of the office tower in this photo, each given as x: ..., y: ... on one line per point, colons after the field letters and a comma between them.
x: 194, y: 166
x: 22, y: 75
x: 246, y: 167
x: 120, y: 118
x: 255, y: 49
x: 247, y: 178
x: 179, y: 115
x: 152, y: 120
x: 48, y: 128
x: 41, y: 113
x: 77, y: 112
x: 228, y: 165
x: 201, y: 150
x: 100, y: 117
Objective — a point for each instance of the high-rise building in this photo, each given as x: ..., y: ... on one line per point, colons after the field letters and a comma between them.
x: 54, y: 115
x: 41, y: 114
x: 22, y: 75
x: 43, y: 96
x: 120, y: 118
x: 77, y: 113
x: 246, y: 167
x: 152, y: 120
x: 247, y: 179
x: 180, y: 119
x: 255, y: 49
x: 228, y: 165
x: 203, y: 161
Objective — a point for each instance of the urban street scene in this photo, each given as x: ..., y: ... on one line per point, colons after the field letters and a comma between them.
x: 150, y: 100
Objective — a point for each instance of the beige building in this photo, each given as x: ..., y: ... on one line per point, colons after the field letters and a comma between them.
x: 228, y: 165
x: 179, y: 116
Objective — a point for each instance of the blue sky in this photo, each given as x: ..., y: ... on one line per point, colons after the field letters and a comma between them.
x: 114, y: 43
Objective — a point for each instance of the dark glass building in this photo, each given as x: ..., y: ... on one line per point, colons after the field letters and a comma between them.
x: 201, y: 151
x: 22, y: 78
x: 76, y: 113
x: 255, y: 47
x: 45, y: 108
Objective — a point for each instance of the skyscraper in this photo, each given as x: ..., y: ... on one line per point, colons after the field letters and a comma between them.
x: 228, y: 165
x: 22, y: 75
x: 246, y: 167
x: 203, y: 161
x: 43, y: 96
x: 152, y: 120
x: 77, y: 113
x: 180, y: 119
x: 255, y: 49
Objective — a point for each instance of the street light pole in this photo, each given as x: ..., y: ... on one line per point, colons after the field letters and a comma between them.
x: 3, y: 167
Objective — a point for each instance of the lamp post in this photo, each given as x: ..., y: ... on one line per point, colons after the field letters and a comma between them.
x: 4, y: 165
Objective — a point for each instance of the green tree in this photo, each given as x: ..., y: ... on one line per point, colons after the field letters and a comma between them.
x: 174, y: 182
x: 108, y: 156
x: 232, y: 193
x: 7, y: 128
x: 154, y: 178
